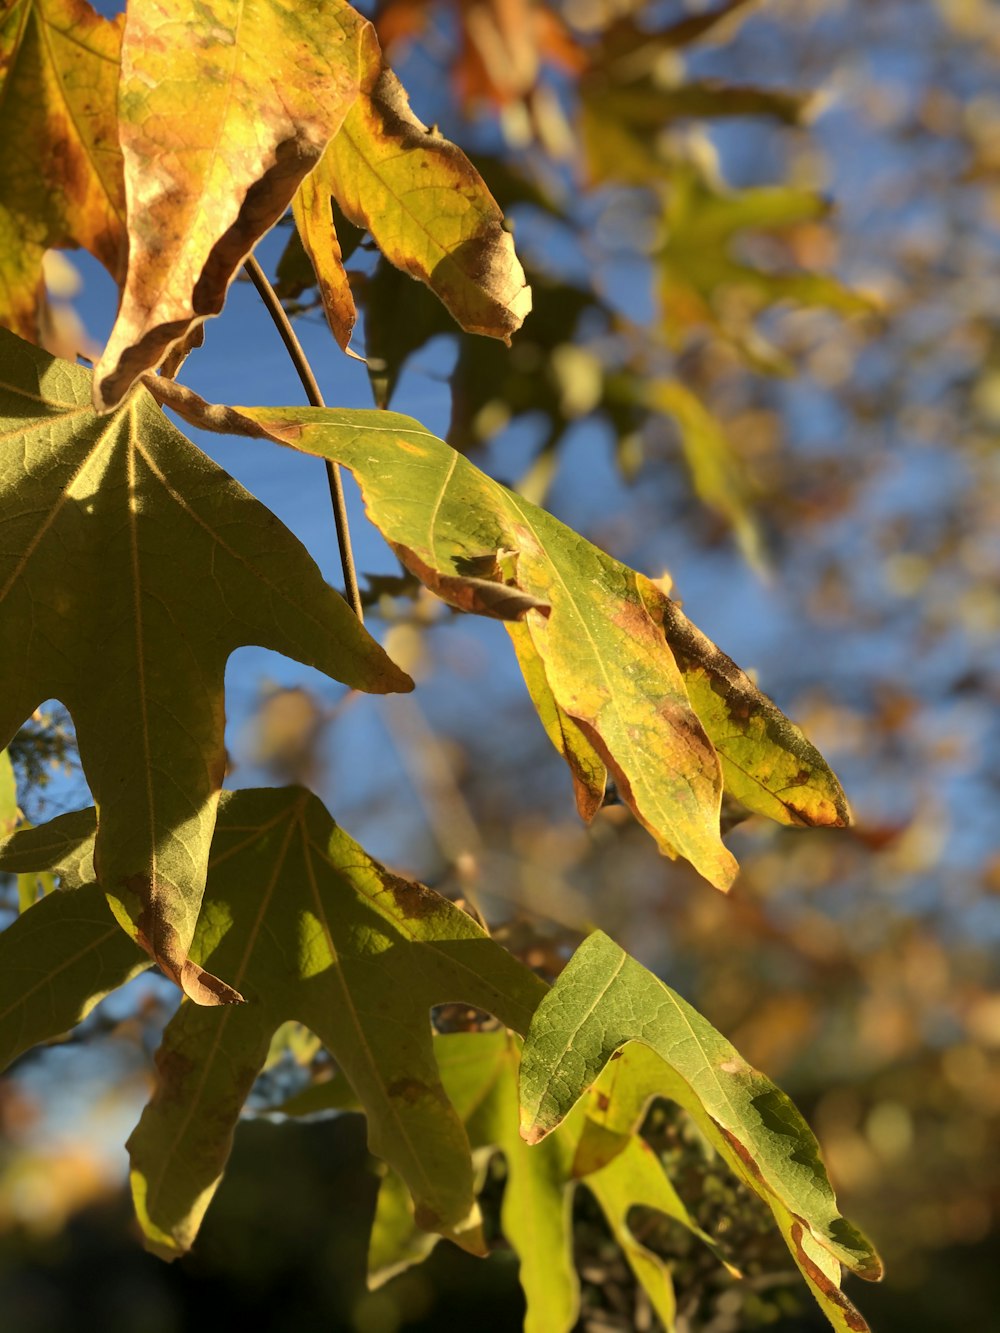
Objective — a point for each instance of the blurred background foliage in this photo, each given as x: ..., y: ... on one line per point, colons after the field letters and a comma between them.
x: 764, y: 241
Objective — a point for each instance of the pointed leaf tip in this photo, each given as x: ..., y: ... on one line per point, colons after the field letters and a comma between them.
x: 605, y: 1002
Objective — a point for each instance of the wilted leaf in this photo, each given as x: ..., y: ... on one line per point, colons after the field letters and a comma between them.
x: 132, y: 567
x: 602, y: 1001
x: 605, y: 660
x: 425, y: 205
x: 601, y: 642
x: 224, y: 109
x: 60, y: 164
x: 767, y: 762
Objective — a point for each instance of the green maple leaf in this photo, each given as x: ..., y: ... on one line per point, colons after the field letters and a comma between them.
x: 479, y: 1071
x: 702, y: 223
x: 604, y: 1000
x: 132, y: 566
x: 312, y: 930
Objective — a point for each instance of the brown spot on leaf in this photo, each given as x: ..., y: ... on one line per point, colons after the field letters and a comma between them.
x: 413, y: 901
x: 409, y: 1090
x: 852, y: 1316
x: 484, y: 597
x: 155, y: 934
x: 743, y: 1153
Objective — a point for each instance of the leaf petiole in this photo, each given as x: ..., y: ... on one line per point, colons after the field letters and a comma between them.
x: 299, y: 360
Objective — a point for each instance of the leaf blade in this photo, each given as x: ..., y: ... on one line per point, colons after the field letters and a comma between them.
x: 425, y: 204
x: 602, y: 1001
x: 61, y: 181
x: 274, y: 84
x: 140, y: 567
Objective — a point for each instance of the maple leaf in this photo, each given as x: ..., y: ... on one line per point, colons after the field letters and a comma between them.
x: 60, y: 165
x: 702, y: 222
x: 479, y: 1071
x: 425, y: 205
x: 312, y: 930
x: 604, y: 1000
x: 665, y: 710
x: 223, y: 109
x: 132, y: 567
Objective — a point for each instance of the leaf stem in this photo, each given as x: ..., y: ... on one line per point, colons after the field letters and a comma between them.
x: 304, y: 370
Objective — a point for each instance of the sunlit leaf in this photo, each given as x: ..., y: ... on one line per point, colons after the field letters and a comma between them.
x: 312, y: 930
x: 483, y: 549
x: 132, y: 567
x: 585, y: 764
x: 425, y: 205
x: 653, y: 697
x: 224, y: 108
x: 317, y: 233
x: 767, y: 762
x: 9, y: 811
x: 60, y: 164
x: 479, y: 1072
x: 604, y: 1000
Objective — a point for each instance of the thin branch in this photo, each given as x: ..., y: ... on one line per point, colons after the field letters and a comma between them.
x: 274, y: 309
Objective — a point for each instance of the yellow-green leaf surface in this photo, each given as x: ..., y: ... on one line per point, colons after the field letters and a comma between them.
x: 720, y: 475
x: 131, y: 567
x: 484, y: 549
x: 606, y: 636
x: 586, y: 767
x: 318, y: 234
x: 60, y: 164
x: 479, y: 1071
x: 224, y: 107
x: 767, y: 762
x: 9, y: 813
x: 313, y: 931
x: 604, y: 1000
x: 702, y: 221
x: 426, y: 206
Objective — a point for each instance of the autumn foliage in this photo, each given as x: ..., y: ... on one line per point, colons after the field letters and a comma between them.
x: 133, y: 567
